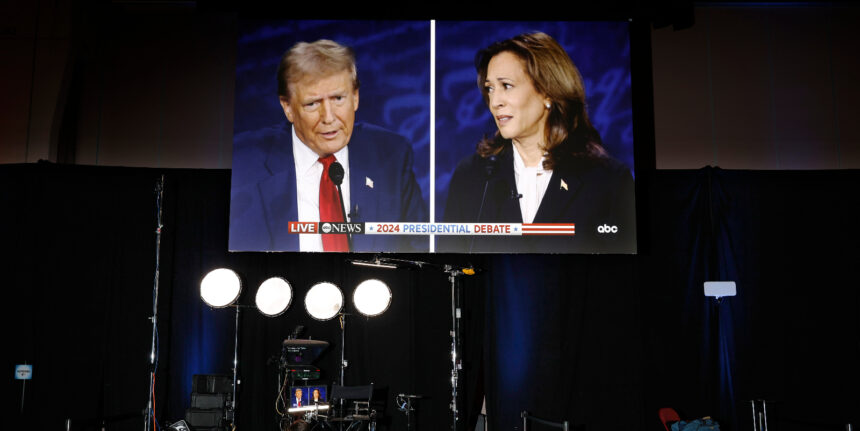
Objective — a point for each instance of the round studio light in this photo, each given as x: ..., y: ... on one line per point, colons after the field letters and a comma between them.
x: 274, y: 296
x: 371, y: 297
x: 220, y: 287
x: 323, y: 301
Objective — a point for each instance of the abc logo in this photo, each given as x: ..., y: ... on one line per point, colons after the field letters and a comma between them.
x: 326, y: 228
x: 607, y: 229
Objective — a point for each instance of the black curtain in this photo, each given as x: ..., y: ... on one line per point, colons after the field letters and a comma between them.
x: 601, y: 341
x: 789, y: 240
x: 78, y: 254
x: 564, y: 341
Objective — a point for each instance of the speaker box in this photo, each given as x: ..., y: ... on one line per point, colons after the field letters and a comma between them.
x: 208, y: 401
x: 200, y: 418
x: 212, y: 384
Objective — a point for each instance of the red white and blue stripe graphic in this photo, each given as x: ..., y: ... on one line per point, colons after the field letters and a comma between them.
x: 406, y: 228
x: 549, y: 229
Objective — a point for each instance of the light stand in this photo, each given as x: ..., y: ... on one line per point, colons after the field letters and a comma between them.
x: 232, y: 406
x: 456, y: 364
x: 221, y: 288
x: 719, y: 345
x: 454, y: 273
x: 149, y: 416
x: 342, y: 318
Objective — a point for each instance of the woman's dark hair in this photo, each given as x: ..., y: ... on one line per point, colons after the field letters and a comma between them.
x: 568, y: 133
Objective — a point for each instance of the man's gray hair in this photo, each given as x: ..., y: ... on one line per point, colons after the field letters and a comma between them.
x: 321, y: 58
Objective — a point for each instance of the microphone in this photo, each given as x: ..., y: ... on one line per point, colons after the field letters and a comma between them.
x: 490, y: 165
x: 335, y: 172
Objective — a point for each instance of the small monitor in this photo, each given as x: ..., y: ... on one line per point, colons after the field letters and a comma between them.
x: 317, y: 394
x: 719, y: 289
x: 308, y: 395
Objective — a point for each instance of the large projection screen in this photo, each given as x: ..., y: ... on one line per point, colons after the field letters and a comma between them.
x: 414, y: 181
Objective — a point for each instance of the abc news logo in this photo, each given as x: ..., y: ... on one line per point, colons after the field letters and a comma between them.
x: 325, y: 227
x: 605, y: 228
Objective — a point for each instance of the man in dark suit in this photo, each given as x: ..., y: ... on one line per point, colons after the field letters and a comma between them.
x: 298, y: 399
x: 282, y: 174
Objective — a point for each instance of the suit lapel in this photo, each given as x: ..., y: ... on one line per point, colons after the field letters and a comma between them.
x: 362, y: 197
x: 560, y: 193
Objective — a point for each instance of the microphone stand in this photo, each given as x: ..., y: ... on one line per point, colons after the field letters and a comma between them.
x: 150, y: 408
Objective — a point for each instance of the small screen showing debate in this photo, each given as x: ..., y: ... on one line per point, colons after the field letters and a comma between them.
x: 304, y: 396
x: 433, y: 136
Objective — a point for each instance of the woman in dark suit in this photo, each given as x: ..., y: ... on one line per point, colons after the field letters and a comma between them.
x: 546, y: 162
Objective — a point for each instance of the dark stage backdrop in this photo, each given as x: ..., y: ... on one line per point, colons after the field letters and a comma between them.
x: 603, y: 341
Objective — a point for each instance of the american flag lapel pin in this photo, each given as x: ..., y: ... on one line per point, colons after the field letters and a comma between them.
x: 368, y: 182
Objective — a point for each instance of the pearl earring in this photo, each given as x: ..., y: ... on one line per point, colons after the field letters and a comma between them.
x: 547, y: 105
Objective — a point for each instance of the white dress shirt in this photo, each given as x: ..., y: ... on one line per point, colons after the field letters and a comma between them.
x: 531, y: 184
x: 308, y: 173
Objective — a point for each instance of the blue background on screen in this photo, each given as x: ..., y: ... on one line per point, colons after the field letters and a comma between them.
x: 601, y: 51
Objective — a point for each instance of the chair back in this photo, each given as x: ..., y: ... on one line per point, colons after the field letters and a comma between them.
x: 360, y: 393
x: 564, y: 426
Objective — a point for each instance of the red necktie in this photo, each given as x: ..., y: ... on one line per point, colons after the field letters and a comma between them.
x: 330, y: 209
